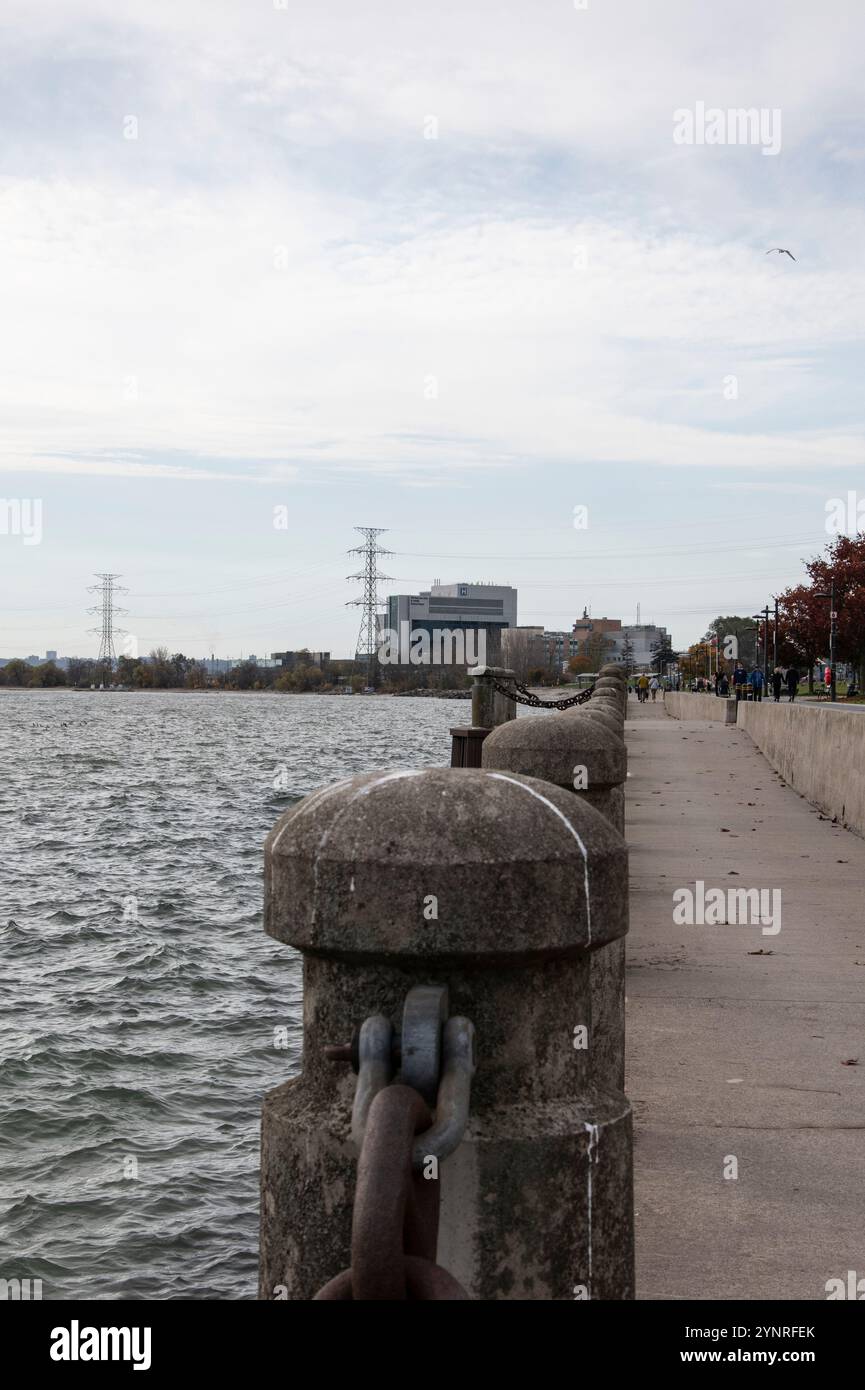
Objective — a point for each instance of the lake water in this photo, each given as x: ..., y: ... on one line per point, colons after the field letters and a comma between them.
x: 139, y: 995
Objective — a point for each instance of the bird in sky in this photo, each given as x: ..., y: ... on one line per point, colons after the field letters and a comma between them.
x: 782, y: 251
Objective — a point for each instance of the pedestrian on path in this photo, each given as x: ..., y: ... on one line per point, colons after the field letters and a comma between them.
x: 654, y: 686
x: 777, y: 683
x: 740, y: 680
x: 792, y: 682
x: 756, y: 683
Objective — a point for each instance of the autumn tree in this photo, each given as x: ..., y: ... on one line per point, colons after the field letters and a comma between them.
x: 844, y: 562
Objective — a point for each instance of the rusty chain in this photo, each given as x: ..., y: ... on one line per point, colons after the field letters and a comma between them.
x: 394, y: 1230
x: 394, y: 1234
x: 525, y: 696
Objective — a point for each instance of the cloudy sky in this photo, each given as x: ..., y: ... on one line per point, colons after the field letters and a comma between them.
x: 438, y: 268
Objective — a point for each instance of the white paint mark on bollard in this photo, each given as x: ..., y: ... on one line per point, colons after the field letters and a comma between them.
x: 594, y: 1136
x: 500, y: 777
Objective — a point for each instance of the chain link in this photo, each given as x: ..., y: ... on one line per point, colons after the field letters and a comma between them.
x: 525, y: 696
x: 394, y: 1232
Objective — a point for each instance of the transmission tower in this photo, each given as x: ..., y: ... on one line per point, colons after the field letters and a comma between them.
x: 370, y: 550
x: 107, y: 610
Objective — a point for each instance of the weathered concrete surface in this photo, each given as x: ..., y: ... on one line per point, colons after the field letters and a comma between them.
x: 489, y: 707
x: 819, y: 750
x: 685, y: 704
x: 596, y: 710
x: 737, y: 1054
x: 610, y: 696
x: 554, y: 750
x: 527, y: 880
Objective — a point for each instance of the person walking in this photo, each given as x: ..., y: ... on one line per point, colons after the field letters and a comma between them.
x: 777, y: 682
x: 643, y: 688
x: 723, y: 685
x: 654, y: 686
x: 756, y: 683
x: 792, y: 682
x: 740, y: 680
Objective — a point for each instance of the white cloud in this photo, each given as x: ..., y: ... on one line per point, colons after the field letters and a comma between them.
x: 263, y: 323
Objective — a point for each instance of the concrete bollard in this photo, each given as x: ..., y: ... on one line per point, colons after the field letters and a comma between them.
x: 610, y: 719
x: 499, y: 887
x: 489, y: 708
x: 608, y: 685
x: 611, y: 683
x: 612, y: 679
x: 567, y: 752
x: 582, y: 756
x: 617, y: 702
x: 609, y: 692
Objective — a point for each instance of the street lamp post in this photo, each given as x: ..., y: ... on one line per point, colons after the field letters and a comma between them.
x: 833, y: 632
x: 763, y: 617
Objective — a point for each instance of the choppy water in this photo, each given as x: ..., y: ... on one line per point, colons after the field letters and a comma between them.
x: 138, y: 994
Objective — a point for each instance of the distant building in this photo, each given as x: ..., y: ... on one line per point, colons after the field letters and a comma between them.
x: 560, y: 648
x: 644, y: 639
x: 463, y: 608
x: 288, y: 660
x: 50, y: 656
x: 585, y: 628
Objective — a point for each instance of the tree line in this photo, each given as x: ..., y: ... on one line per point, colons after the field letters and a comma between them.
x: 803, y: 619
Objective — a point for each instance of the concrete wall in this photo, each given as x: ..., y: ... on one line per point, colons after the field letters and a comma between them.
x: 820, y: 752
x: 682, y: 704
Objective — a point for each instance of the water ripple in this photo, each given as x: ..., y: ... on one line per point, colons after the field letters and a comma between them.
x: 140, y: 998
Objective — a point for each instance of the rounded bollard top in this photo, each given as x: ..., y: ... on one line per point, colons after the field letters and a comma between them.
x: 608, y: 718
x: 612, y: 668
x: 608, y: 699
x: 553, y: 748
x: 460, y: 864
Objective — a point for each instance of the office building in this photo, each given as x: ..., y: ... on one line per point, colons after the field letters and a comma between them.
x: 469, y: 609
x: 637, y: 644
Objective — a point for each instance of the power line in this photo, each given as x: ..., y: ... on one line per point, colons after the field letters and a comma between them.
x: 612, y: 555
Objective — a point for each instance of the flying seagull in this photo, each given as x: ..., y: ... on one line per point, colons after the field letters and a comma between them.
x: 782, y: 251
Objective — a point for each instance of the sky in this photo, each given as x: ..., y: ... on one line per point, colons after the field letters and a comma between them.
x: 271, y: 271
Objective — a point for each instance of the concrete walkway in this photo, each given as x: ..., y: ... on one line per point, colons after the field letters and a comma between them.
x: 736, y: 1054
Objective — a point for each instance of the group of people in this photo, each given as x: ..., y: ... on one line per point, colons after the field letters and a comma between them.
x: 743, y: 683
x: 644, y: 684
